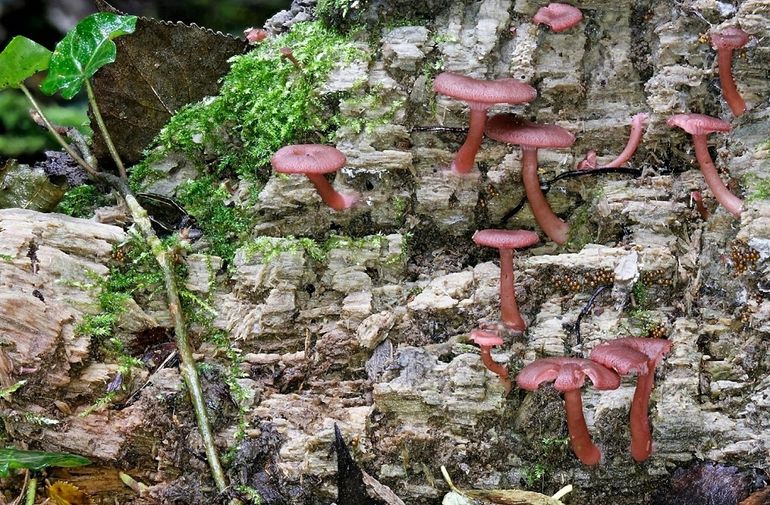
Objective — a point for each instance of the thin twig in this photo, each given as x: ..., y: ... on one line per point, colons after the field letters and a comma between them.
x: 187, y: 361
x: 51, y: 128
x: 586, y: 310
x: 440, y: 129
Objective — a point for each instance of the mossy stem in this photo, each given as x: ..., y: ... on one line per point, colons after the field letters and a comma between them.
x: 187, y: 362
x: 29, y: 498
x: 139, y: 214
x: 75, y: 156
x: 105, y: 133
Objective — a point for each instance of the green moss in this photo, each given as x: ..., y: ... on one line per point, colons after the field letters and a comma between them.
x: 331, y: 11
x: 341, y: 242
x: 81, y: 201
x: 144, y: 174
x: 268, y: 248
x: 368, y: 111
x: 250, y: 493
x: 759, y: 187
x: 264, y: 103
x: 640, y: 293
x: 225, y: 226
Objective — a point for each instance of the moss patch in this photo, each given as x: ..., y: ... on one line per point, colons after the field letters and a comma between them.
x: 223, y: 224
x: 265, y: 102
x: 82, y: 201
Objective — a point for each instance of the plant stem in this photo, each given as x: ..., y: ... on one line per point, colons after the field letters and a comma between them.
x: 75, y: 156
x: 105, y: 133
x: 187, y: 362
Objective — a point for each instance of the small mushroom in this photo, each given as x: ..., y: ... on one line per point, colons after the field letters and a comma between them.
x: 506, y: 241
x: 639, y: 355
x: 479, y: 95
x: 559, y: 17
x: 531, y: 137
x: 255, y: 35
x: 634, y: 139
x: 288, y: 54
x: 314, y: 160
x: 725, y: 42
x: 486, y: 339
x: 569, y: 375
x: 699, y: 126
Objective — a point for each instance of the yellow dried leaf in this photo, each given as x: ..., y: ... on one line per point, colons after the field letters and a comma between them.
x: 64, y: 493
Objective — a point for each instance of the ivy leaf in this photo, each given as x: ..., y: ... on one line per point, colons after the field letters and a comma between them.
x: 14, y: 459
x: 21, y: 58
x: 84, y: 50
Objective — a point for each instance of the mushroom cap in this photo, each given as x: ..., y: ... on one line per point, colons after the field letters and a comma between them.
x: 486, y: 338
x: 653, y: 348
x: 513, y: 130
x: 505, y: 239
x: 567, y: 373
x: 621, y: 357
x: 731, y: 37
x: 698, y: 124
x: 308, y: 159
x: 478, y: 91
x: 558, y: 16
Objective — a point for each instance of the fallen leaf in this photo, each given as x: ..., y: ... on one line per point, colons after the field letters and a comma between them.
x: 160, y: 68
x: 26, y: 187
x: 64, y: 493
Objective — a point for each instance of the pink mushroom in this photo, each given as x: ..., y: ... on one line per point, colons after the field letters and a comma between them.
x: 506, y: 241
x: 288, y: 54
x: 639, y: 355
x: 635, y: 138
x: 531, y: 137
x: 558, y: 16
x: 697, y: 199
x: 699, y: 126
x: 314, y: 161
x: 725, y: 42
x: 479, y: 95
x: 569, y: 375
x: 486, y: 340
x: 588, y: 162
x: 255, y: 35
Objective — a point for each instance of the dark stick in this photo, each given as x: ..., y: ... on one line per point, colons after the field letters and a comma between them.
x: 546, y: 185
x: 440, y: 129
x: 586, y: 309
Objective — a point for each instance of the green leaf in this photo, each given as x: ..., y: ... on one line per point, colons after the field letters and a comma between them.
x: 84, y: 50
x: 21, y: 58
x: 14, y: 459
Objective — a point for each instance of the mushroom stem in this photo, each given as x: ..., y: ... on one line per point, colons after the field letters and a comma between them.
x: 555, y: 228
x: 466, y: 155
x: 697, y: 198
x: 580, y: 439
x: 641, y: 440
x: 729, y: 201
x: 727, y: 82
x: 495, y: 367
x: 634, y: 139
x: 335, y: 200
x: 509, y: 309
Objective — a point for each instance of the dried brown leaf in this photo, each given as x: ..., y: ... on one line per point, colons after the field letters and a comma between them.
x: 160, y: 68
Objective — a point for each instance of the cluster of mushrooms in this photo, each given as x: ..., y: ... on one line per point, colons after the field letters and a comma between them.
x: 609, y: 360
